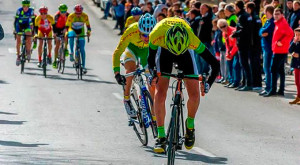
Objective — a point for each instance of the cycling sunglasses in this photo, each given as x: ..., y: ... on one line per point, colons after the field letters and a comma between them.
x: 44, y: 13
x: 145, y: 35
x: 222, y: 27
x: 26, y: 5
x: 63, y: 12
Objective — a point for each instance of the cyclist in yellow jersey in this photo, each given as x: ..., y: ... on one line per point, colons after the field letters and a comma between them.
x: 133, y: 46
x: 136, y: 13
x: 172, y: 40
x: 75, y: 25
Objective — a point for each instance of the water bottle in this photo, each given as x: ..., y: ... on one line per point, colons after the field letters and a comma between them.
x: 144, y: 113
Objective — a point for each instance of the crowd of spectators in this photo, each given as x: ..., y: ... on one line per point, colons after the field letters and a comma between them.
x: 249, y: 38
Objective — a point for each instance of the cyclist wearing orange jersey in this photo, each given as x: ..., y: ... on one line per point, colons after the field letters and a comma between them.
x: 75, y: 25
x: 59, y: 28
x: 45, y: 23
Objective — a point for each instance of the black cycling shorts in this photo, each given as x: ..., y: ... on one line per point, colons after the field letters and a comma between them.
x: 59, y: 32
x: 164, y: 60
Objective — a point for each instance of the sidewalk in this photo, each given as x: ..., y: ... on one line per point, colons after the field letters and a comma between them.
x: 290, y: 88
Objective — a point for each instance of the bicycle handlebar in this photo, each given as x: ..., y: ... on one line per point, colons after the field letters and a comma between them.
x: 138, y: 71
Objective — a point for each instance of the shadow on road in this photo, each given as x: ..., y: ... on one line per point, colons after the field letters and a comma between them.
x: 7, y: 113
x: 3, y: 82
x: 18, y: 144
x: 11, y: 122
x: 189, y: 156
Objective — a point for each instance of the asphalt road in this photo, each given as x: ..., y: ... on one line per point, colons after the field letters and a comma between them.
x: 62, y: 120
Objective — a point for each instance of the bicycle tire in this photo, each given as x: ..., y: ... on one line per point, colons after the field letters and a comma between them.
x: 59, y: 60
x: 172, y: 136
x: 139, y: 126
x: 150, y: 103
x: 45, y: 61
x: 22, y: 59
x: 63, y: 58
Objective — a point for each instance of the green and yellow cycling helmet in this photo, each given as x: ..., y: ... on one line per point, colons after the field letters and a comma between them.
x: 63, y: 8
x: 177, y: 39
x: 26, y: 3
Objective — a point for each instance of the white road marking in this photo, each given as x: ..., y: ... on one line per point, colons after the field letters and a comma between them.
x: 203, y: 152
x: 12, y: 50
x: 118, y: 96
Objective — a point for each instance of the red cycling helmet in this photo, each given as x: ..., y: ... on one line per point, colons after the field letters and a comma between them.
x: 43, y: 9
x: 78, y: 9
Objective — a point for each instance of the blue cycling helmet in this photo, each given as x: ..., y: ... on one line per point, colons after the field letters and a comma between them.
x: 146, y: 23
x: 136, y: 11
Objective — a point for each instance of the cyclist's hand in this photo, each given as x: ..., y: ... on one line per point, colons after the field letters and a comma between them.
x: 88, y: 34
x: 120, y: 79
x: 154, y: 77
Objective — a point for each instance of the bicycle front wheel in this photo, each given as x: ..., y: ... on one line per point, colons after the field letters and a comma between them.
x: 138, y: 124
x: 45, y: 64
x: 172, y: 136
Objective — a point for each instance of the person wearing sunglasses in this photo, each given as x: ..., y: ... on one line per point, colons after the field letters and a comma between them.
x: 23, y: 24
x: 173, y: 40
x: 133, y: 46
x: 59, y: 29
x: 44, y: 22
x: 75, y: 25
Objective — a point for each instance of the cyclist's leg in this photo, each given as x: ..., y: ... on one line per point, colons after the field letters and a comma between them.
x: 71, y: 35
x: 82, y: 50
x: 187, y: 63
x: 129, y: 61
x: 57, y: 45
x: 40, y: 47
x: 28, y: 39
x: 18, y: 38
x: 49, y: 35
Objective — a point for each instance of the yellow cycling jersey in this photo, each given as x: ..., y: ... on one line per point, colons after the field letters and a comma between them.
x: 77, y: 23
x: 130, y: 20
x: 157, y: 35
x: 130, y: 38
x: 44, y: 25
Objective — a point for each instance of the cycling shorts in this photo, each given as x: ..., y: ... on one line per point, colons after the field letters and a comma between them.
x: 21, y: 28
x: 48, y: 34
x: 135, y: 54
x: 59, y: 32
x: 164, y: 60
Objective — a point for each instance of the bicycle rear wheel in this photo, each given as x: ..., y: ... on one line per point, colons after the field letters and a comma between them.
x: 138, y: 124
x: 149, y: 102
x: 173, y: 136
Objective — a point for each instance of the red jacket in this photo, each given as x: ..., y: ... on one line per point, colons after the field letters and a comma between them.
x: 283, y: 33
x: 230, y: 43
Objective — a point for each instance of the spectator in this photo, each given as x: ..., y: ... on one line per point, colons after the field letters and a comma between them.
x: 231, y: 18
x: 266, y: 33
x: 106, y: 10
x: 149, y: 8
x: 159, y: 9
x: 215, y: 9
x: 294, y: 20
x: 276, y: 4
x: 178, y: 13
x: 176, y: 6
x: 255, y: 46
x: 186, y: 9
x: 222, y: 5
x: 197, y: 5
x: 282, y: 36
x: 170, y: 12
x: 156, y: 3
x: 194, y: 19
x: 128, y: 7
x: 205, y: 35
x: 289, y: 11
x: 295, y: 50
x: 120, y: 12
x: 243, y: 43
x: 160, y: 17
x: 231, y: 53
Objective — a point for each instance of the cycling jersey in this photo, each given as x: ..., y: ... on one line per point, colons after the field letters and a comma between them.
x: 77, y: 23
x: 23, y: 20
x: 130, y: 39
x: 44, y: 25
x: 60, y: 23
x: 157, y: 36
x: 130, y: 20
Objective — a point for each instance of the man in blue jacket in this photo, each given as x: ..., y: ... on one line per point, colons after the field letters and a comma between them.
x: 266, y: 33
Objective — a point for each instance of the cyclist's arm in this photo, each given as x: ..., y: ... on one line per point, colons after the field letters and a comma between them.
x: 124, y: 42
x: 37, y: 22
x: 211, y: 60
x: 151, y: 57
x: 88, y: 25
x: 55, y: 22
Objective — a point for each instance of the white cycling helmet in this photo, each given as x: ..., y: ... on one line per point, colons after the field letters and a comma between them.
x: 146, y: 23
